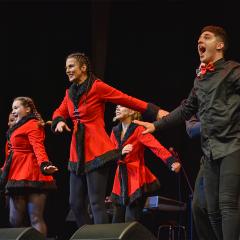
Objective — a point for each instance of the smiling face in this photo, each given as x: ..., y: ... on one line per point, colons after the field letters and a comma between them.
x: 76, y: 73
x: 123, y: 114
x: 210, y: 47
x: 19, y: 111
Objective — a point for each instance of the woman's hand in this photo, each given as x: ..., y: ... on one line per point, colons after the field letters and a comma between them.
x: 61, y: 126
x: 50, y: 169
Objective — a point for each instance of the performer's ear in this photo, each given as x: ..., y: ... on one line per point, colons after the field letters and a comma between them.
x: 220, y: 45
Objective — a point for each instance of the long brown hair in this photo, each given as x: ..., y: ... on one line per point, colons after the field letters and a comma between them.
x: 28, y: 102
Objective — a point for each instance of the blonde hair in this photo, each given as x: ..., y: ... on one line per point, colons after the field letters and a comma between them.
x: 136, y: 116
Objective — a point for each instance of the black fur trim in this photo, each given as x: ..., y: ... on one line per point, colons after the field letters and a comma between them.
x: 123, y: 179
x: 150, y: 115
x: 47, y: 185
x: 80, y: 148
x: 145, y: 190
x: 5, y: 172
x: 26, y: 191
x: 106, y: 158
x: 43, y: 165
x: 76, y: 91
x: 55, y: 121
x: 117, y: 133
x: 19, y: 124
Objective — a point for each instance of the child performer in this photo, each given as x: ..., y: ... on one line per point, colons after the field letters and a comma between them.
x: 133, y: 180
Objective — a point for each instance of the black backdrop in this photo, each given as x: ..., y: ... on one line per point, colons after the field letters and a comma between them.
x: 145, y: 48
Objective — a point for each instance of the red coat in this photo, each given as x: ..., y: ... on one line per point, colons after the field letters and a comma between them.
x: 97, y: 146
x: 133, y: 178
x: 26, y: 156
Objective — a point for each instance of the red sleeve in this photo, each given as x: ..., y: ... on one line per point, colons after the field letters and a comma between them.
x: 110, y: 94
x: 154, y: 145
x: 6, y: 150
x: 62, y: 110
x: 36, y: 136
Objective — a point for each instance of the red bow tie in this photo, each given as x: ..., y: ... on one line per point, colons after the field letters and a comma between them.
x: 203, y: 68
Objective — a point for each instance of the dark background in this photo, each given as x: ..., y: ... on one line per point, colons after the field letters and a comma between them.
x: 146, y: 48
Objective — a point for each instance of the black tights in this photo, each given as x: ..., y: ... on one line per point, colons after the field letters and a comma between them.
x: 222, y: 186
x: 130, y: 212
x: 90, y: 186
x: 28, y: 207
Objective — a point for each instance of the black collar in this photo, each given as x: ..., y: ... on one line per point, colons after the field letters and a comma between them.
x: 117, y: 132
x: 20, y: 123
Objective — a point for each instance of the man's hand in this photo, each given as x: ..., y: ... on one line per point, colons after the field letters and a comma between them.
x: 61, y: 126
x: 162, y: 113
x: 149, y: 126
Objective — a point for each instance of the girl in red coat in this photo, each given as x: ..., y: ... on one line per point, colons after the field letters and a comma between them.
x: 26, y: 172
x: 133, y: 180
x: 91, y: 147
x: 3, y: 197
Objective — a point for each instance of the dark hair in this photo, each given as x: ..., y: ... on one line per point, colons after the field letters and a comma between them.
x: 82, y: 59
x: 218, y: 32
x: 28, y: 102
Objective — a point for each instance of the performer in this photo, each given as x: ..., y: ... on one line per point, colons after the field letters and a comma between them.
x: 199, y: 205
x: 133, y: 180
x: 91, y: 148
x: 3, y: 197
x: 216, y: 97
x: 11, y: 120
x: 26, y: 171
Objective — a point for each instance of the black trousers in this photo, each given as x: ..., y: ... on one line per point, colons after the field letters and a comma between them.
x: 199, y: 210
x: 222, y: 188
x: 89, y: 188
